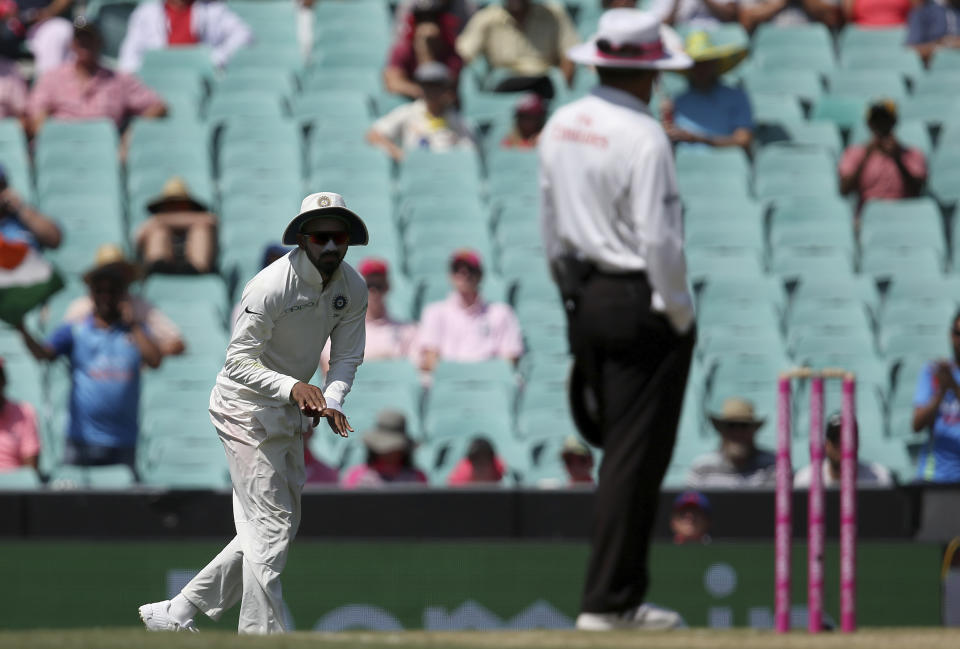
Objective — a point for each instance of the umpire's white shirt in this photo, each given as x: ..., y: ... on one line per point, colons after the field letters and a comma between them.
x: 609, y: 195
x: 287, y: 315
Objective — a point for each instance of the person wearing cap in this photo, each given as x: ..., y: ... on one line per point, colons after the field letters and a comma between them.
x: 432, y: 122
x: 738, y: 463
x: 428, y: 34
x: 701, y: 14
x: 464, y: 327
x: 106, y: 353
x: 84, y: 89
x: 932, y: 26
x: 480, y: 466
x: 163, y: 330
x: 462, y: 10
x: 710, y: 112
x: 529, y: 116
x: 936, y: 414
x: 523, y: 38
x: 263, y: 402
x: 19, y: 441
x: 690, y: 518
x: 178, y: 218
x: 882, y: 168
x: 869, y: 474
x: 577, y: 459
x: 21, y: 222
x: 611, y: 224
x: 158, y: 24
x: 389, y: 455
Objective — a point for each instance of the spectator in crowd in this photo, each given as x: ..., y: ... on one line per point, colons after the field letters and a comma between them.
x: 523, y: 38
x: 710, y: 112
x: 932, y: 26
x: 690, y: 518
x: 877, y: 13
x: 618, y: 4
x: 465, y: 327
x: 786, y: 13
x: 431, y: 123
x: 387, y: 338
x: 317, y: 472
x: 305, y: 27
x: 20, y: 222
x: 181, y: 236
x: 577, y: 460
x: 162, y: 329
x: 462, y: 10
x: 106, y: 352
x: 389, y: 455
x: 157, y: 24
x: 883, y: 167
x: 738, y: 463
x: 41, y: 25
x: 84, y: 89
x: 19, y: 442
x: 869, y: 474
x: 480, y: 466
x: 529, y: 116
x: 429, y: 34
x: 704, y: 14
x: 936, y: 408
x: 13, y: 92
x: 271, y: 253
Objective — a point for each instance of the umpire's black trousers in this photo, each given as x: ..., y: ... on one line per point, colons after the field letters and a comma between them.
x: 636, y: 365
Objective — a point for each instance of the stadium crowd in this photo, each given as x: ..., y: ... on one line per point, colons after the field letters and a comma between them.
x: 152, y: 150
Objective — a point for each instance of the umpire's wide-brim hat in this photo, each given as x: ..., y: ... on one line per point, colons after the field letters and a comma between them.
x: 326, y: 204
x: 631, y: 38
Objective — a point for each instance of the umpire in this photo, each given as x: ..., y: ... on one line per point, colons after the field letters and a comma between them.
x: 612, y: 226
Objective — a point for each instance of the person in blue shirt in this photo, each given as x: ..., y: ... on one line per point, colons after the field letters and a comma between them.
x: 710, y: 113
x: 936, y: 403
x: 932, y: 26
x: 20, y: 222
x: 106, y: 351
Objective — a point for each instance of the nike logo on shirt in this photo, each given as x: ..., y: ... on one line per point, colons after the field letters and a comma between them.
x: 247, y: 310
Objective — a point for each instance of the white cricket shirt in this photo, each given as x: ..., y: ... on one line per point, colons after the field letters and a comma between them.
x: 286, y: 316
x: 609, y: 195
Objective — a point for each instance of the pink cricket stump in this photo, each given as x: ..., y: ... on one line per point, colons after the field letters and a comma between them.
x: 815, y: 529
x: 848, y: 509
x: 783, y: 513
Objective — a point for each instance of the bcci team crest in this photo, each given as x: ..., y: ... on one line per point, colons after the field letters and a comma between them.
x: 340, y: 302
x: 324, y: 201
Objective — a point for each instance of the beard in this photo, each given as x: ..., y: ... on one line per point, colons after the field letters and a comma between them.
x: 328, y: 262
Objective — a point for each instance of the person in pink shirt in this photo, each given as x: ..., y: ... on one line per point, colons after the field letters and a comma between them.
x: 19, y: 442
x: 464, y: 327
x: 389, y: 455
x: 84, y: 89
x: 883, y: 167
x: 480, y: 466
x: 877, y: 13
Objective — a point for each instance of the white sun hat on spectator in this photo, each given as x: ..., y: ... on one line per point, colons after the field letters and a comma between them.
x: 631, y: 38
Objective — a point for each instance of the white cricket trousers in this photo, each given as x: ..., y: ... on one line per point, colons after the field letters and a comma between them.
x: 268, y: 477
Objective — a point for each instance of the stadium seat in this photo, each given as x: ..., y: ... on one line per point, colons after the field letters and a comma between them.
x: 911, y: 133
x: 931, y: 109
x: 24, y: 479
x: 775, y: 108
x: 13, y: 152
x: 945, y: 177
x: 825, y: 135
x: 902, y: 223
x: 867, y: 84
x: 268, y: 55
x: 891, y: 261
x: 804, y: 85
x: 870, y: 41
x: 846, y: 112
x: 900, y: 59
x: 926, y: 342
x: 243, y: 104
x: 195, y: 59
x: 795, y: 262
x: 265, y: 80
x: 945, y: 59
x: 795, y: 183
x: 116, y: 477
x: 937, y: 82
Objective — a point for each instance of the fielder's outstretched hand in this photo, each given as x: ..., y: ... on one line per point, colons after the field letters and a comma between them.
x: 338, y: 421
x: 309, y: 398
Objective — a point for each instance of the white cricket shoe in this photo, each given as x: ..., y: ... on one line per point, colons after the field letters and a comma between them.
x: 645, y: 617
x: 156, y: 617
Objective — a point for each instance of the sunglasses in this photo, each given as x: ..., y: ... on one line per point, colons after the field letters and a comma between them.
x: 321, y: 238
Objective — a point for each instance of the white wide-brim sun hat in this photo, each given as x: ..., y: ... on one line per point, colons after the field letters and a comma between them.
x: 631, y: 38
x: 331, y: 205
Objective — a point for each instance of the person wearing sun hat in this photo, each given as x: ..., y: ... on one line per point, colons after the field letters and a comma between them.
x: 611, y: 222
x: 465, y: 328
x: 389, y: 455
x: 263, y: 402
x: 106, y: 351
x: 711, y: 113
x: 177, y: 215
x: 738, y: 462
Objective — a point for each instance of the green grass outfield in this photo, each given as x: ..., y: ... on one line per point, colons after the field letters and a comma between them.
x: 926, y: 638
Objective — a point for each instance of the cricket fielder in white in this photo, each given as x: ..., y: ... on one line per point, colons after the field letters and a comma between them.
x: 262, y: 403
